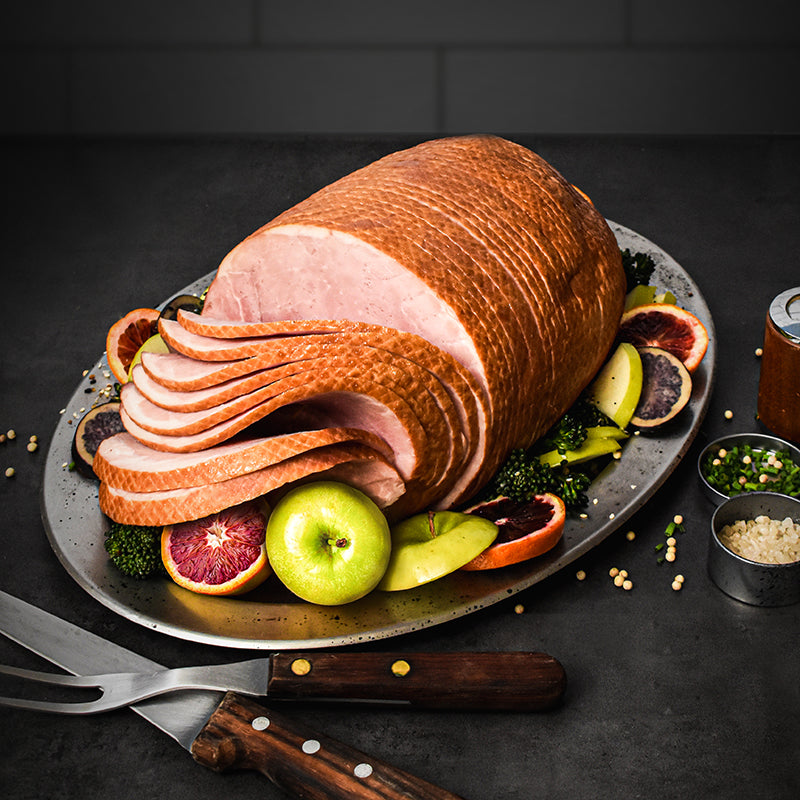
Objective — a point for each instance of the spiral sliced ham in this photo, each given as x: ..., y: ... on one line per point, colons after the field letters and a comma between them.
x: 451, y: 301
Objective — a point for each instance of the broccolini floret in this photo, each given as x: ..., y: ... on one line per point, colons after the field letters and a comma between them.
x: 638, y: 268
x: 135, y: 550
x: 569, y: 432
x: 522, y: 476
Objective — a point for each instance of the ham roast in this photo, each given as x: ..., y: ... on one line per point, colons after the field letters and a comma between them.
x: 402, y: 329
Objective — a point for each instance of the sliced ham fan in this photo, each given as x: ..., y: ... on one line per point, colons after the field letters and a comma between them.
x: 402, y: 328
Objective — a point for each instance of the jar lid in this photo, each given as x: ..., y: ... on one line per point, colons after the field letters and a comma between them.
x: 784, y: 311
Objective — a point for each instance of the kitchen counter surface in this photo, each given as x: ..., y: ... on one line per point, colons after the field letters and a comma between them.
x: 670, y: 694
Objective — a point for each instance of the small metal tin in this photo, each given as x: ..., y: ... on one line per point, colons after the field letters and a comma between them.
x: 753, y: 582
x: 758, y: 441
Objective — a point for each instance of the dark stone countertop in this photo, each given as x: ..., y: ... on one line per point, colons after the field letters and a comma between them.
x: 670, y: 694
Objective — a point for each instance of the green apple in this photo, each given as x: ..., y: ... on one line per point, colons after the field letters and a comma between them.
x: 428, y: 546
x: 618, y: 385
x: 328, y: 543
x: 155, y: 344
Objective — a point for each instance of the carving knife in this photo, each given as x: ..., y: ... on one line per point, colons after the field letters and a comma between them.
x: 224, y: 730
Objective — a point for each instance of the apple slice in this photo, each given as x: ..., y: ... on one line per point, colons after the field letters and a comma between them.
x: 591, y: 448
x: 605, y: 432
x: 155, y: 344
x: 640, y: 295
x: 618, y: 385
x: 428, y: 546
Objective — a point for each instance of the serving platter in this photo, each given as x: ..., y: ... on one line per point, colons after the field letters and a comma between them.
x: 272, y: 618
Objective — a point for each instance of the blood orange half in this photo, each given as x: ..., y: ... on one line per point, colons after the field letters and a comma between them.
x: 222, y: 553
x: 526, y: 530
x: 126, y: 336
x: 669, y: 327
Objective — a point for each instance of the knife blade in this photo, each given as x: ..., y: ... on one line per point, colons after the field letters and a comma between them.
x: 223, y: 731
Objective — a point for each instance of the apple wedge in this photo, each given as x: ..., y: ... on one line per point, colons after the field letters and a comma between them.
x: 429, y: 546
x: 592, y: 448
x: 618, y: 385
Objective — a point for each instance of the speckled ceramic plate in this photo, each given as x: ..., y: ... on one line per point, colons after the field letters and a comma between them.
x: 272, y: 618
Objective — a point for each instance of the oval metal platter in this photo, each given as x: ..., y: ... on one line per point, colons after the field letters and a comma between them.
x: 272, y: 618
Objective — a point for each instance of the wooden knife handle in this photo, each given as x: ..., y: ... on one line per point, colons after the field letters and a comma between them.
x: 242, y: 734
x: 516, y: 681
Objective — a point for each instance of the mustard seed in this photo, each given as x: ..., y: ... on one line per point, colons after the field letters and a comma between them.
x: 32, y: 447
x: 627, y: 585
x: 676, y: 586
x: 580, y: 575
x: 10, y: 472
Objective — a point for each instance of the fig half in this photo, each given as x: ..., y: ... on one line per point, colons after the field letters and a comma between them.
x: 666, y: 388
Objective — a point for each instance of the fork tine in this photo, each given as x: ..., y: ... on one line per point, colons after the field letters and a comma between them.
x: 78, y: 681
x: 102, y: 703
x: 91, y: 707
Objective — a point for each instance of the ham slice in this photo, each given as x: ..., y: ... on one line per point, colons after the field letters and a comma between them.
x: 355, y: 464
x: 434, y: 310
x: 123, y: 462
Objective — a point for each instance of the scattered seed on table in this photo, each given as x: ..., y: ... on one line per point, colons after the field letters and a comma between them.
x: 630, y: 536
x: 678, y: 519
x: 580, y: 575
x: 10, y: 472
x: 627, y: 585
x: 619, y: 580
x: 671, y: 542
x: 613, y: 572
x: 679, y: 578
x: 676, y: 586
x: 670, y: 555
x: 12, y: 434
x: 519, y: 608
x: 32, y: 447
x: 759, y: 352
x: 728, y: 414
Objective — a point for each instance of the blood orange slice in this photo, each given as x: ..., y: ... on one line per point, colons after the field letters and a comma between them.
x: 222, y: 553
x: 126, y: 336
x: 526, y: 530
x: 669, y: 327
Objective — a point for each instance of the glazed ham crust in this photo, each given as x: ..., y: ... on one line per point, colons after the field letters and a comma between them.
x: 451, y: 300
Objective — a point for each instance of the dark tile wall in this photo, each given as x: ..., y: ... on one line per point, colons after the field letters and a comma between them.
x: 174, y: 67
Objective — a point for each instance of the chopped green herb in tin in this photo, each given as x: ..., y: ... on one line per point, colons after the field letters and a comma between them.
x: 746, y: 469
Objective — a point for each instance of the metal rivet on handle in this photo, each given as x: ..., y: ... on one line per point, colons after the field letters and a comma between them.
x: 260, y: 723
x: 311, y: 746
x: 401, y: 668
x: 362, y: 770
x: 301, y: 666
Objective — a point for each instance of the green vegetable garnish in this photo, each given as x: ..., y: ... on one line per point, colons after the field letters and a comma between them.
x: 638, y: 268
x: 522, y: 476
x: 746, y: 469
x: 135, y: 550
